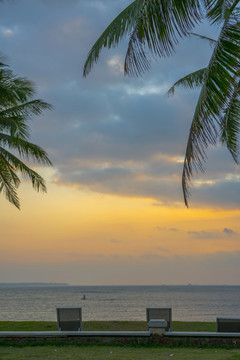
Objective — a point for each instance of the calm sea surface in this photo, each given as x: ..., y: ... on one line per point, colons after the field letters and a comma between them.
x: 189, y: 303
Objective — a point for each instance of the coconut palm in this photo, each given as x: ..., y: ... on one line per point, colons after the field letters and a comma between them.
x: 157, y: 25
x: 16, y: 108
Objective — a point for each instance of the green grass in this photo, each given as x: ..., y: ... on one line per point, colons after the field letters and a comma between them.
x: 104, y: 326
x: 101, y: 352
x: 194, y: 326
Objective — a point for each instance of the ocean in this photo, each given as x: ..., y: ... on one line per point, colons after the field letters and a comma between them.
x: 189, y: 303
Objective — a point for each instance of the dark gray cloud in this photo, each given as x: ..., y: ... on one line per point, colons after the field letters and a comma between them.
x: 110, y: 133
x: 202, y: 234
x: 222, y: 194
x: 214, y: 234
x: 228, y: 231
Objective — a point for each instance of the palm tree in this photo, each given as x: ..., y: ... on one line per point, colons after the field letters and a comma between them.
x: 16, y: 108
x: 156, y: 25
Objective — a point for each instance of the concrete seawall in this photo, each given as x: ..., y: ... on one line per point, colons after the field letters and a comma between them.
x: 122, y: 337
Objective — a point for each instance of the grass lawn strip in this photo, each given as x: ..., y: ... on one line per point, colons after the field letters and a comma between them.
x: 97, y: 352
x: 104, y: 326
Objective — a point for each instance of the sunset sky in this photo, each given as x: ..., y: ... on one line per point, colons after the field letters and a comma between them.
x: 114, y: 211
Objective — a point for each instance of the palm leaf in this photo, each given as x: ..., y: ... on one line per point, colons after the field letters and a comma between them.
x: 219, y: 84
x: 16, y: 108
x: 220, y: 10
x: 217, y: 10
x: 158, y: 28
x: 25, y: 149
x: 120, y: 26
x: 230, y: 126
x: 9, y: 182
x: 13, y: 88
x: 14, y: 119
x: 195, y: 79
x: 15, y: 126
x: 33, y: 107
x: 38, y: 182
x: 155, y: 23
x: 211, y: 41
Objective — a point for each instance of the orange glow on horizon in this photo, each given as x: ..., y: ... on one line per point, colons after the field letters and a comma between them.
x: 67, y: 223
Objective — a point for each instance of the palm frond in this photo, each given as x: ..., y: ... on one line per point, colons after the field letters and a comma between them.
x: 16, y: 108
x: 33, y: 107
x: 190, y: 81
x: 15, y: 126
x: 218, y: 10
x: 155, y: 23
x: 211, y: 41
x: 218, y: 86
x: 14, y: 89
x: 25, y: 149
x: 120, y: 26
x: 13, y: 120
x: 38, y: 182
x: 230, y: 125
x: 9, y: 182
x: 158, y: 28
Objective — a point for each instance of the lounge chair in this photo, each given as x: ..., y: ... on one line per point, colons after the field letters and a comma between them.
x: 69, y: 319
x: 160, y: 313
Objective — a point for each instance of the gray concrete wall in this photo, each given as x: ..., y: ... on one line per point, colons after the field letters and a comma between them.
x: 121, y: 337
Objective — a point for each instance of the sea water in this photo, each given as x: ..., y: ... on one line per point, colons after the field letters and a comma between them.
x: 188, y: 303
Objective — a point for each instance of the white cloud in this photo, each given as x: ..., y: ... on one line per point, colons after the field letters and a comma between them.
x: 8, y: 32
x: 116, y: 65
x: 148, y: 89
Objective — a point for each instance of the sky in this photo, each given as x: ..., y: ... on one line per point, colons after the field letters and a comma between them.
x: 114, y: 211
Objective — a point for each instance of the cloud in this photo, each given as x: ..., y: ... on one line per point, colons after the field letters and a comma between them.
x: 149, y: 89
x: 204, y: 234
x: 159, y: 228
x: 115, y: 241
x: 215, y: 234
x: 228, y: 231
x: 116, y: 65
x: 8, y: 32
x: 127, y: 123
x: 163, y: 250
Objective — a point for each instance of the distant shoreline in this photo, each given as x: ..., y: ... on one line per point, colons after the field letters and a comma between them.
x: 53, y: 284
x: 32, y: 284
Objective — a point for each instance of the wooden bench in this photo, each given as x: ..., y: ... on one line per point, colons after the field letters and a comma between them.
x: 228, y: 324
